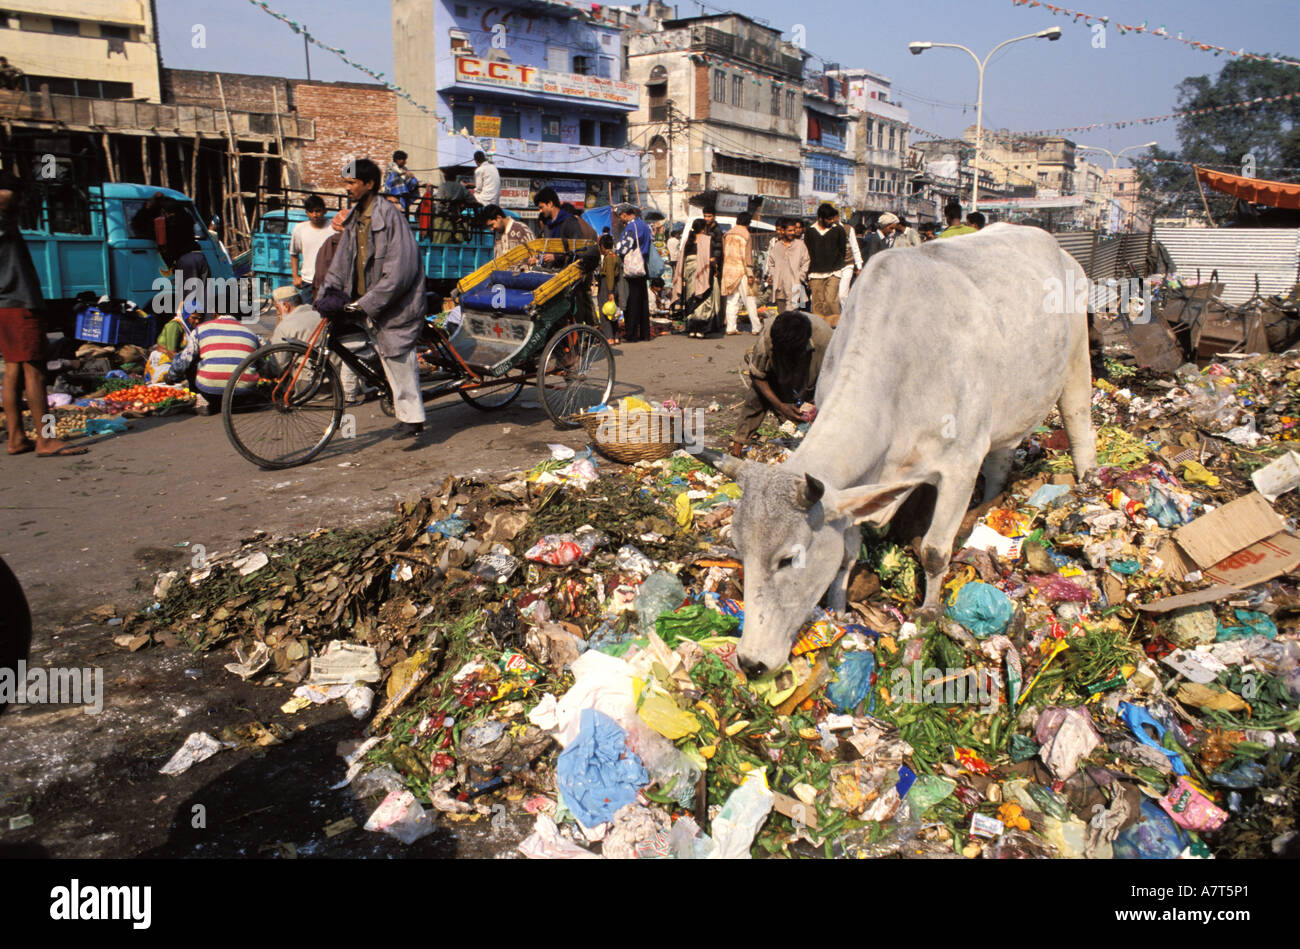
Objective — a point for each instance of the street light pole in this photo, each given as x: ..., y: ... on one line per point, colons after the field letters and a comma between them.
x: 1114, y: 160
x: 1052, y: 34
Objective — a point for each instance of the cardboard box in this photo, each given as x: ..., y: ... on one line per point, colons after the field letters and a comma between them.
x: 1226, y: 530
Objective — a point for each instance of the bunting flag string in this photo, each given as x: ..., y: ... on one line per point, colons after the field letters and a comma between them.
x: 1144, y: 29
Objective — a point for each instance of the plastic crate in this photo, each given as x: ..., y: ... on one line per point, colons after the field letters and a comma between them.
x: 115, y: 329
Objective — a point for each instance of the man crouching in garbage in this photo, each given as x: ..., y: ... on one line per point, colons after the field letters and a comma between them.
x: 377, y: 267
x: 780, y: 373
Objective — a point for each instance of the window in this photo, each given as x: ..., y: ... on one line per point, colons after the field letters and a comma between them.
x: 66, y: 27
x: 461, y: 10
x: 613, y: 134
x: 605, y: 67
x: 85, y: 88
x: 509, y: 124
x: 550, y: 128
x: 891, y: 138
x: 880, y: 135
x: 586, y: 132
x: 776, y: 99
x: 110, y: 32
x: 789, y: 105
x: 462, y: 117
x: 738, y: 92
x: 460, y: 43
x: 581, y: 65
x: 719, y: 86
x: 557, y: 59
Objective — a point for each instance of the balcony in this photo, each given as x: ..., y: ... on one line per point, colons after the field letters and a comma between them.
x: 556, y: 158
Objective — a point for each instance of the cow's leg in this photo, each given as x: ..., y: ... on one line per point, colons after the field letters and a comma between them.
x: 936, y: 548
x: 1075, y: 406
x: 997, y: 466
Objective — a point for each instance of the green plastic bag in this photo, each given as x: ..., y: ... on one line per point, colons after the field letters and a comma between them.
x: 694, y: 622
x: 928, y: 790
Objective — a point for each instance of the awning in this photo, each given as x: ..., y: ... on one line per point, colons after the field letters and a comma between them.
x: 1273, y: 194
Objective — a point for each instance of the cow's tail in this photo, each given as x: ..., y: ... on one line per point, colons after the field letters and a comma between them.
x: 1075, y: 404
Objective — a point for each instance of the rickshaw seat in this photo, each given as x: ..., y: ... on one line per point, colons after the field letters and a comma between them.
x: 488, y: 297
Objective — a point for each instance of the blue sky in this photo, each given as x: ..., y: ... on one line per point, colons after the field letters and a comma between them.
x: 1029, y: 85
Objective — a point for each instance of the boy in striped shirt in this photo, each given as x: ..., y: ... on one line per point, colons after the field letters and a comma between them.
x: 222, y: 344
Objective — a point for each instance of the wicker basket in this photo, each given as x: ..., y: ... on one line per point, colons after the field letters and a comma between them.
x: 663, y: 436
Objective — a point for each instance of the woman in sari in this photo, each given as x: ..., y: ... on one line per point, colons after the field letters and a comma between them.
x: 692, y: 283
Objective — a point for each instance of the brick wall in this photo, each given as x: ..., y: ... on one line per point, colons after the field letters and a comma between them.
x: 703, y: 91
x: 352, y: 121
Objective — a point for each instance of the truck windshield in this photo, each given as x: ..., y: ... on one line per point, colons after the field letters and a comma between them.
x: 130, y: 206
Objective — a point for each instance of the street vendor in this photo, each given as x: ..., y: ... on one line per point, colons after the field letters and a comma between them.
x: 780, y: 372
x: 162, y: 365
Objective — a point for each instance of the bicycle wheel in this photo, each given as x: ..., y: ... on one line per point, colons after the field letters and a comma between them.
x: 292, y: 409
x: 491, y: 398
x: 576, y: 371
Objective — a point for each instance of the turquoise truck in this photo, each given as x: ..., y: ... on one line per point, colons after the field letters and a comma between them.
x: 445, y: 261
x: 83, y: 247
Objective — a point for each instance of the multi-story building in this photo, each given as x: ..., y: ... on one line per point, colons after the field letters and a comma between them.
x: 1124, y: 189
x: 537, y: 85
x: 881, y: 144
x: 829, y: 171
x: 94, y: 49
x: 1090, y: 181
x: 722, y: 112
x: 1046, y: 163
x: 942, y: 169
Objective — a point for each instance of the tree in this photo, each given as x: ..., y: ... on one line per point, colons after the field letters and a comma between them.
x: 1268, y: 131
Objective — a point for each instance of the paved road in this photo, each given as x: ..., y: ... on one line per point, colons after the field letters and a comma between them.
x: 99, y: 527
x: 83, y: 531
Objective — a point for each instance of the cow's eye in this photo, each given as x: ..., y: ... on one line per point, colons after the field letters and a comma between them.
x: 784, y: 563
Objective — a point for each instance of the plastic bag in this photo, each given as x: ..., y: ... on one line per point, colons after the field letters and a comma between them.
x: 928, y: 790
x: 742, y: 815
x: 853, y: 681
x: 660, y: 593
x: 1252, y: 624
x: 629, y: 560
x: 560, y: 550
x: 1137, y: 718
x: 1058, y: 589
x: 694, y: 622
x: 1163, y: 509
x: 449, y: 527
x: 596, y: 774
x: 982, y: 608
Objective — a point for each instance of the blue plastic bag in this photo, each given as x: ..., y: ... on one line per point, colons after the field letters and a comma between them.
x: 1135, y: 717
x: 1162, y: 508
x: 1048, y: 495
x: 597, y: 775
x: 982, y: 608
x: 1153, y: 836
x: 449, y: 527
x: 1252, y: 624
x: 105, y: 426
x: 853, y: 681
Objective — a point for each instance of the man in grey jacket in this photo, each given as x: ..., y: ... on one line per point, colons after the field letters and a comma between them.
x: 378, y: 265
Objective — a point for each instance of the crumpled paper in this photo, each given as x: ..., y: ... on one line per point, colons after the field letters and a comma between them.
x: 199, y: 746
x: 1065, y: 735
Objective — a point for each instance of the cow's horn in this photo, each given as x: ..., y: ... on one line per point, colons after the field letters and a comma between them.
x: 810, y: 492
x: 729, y: 465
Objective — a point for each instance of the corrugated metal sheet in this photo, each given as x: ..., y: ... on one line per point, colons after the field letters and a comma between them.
x: 1239, y: 255
x: 1079, y: 245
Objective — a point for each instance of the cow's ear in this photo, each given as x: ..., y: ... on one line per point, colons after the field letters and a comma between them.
x: 873, y: 504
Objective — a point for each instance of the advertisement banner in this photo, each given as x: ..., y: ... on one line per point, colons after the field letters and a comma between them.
x: 488, y: 126
x: 515, y: 193
x: 480, y: 72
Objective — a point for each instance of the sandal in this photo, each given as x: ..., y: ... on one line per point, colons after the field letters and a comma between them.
x: 63, y: 451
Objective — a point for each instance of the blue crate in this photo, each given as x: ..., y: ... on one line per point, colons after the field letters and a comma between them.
x: 113, y: 329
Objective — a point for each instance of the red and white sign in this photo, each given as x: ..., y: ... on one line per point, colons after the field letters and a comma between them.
x: 481, y: 72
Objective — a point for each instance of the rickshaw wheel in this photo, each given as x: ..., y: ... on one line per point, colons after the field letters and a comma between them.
x: 576, y: 372
x: 491, y: 398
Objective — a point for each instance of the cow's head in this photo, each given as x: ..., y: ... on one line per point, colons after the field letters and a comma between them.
x: 789, y: 530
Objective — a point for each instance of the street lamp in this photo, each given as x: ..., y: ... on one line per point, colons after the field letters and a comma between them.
x: 1052, y: 34
x: 1114, y: 158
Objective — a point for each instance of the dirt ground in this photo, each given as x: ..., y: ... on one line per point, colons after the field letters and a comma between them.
x: 97, y: 529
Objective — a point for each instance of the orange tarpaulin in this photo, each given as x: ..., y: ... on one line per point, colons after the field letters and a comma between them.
x: 1273, y: 194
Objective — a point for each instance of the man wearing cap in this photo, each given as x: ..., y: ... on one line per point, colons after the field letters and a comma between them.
x: 895, y: 233
x: 636, y: 238
x: 296, y: 320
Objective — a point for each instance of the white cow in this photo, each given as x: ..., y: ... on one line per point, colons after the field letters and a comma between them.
x: 948, y: 356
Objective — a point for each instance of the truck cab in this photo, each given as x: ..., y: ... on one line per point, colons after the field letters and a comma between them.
x: 82, y: 244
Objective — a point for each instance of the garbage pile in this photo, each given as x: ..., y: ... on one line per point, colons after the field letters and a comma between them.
x: 1115, y: 673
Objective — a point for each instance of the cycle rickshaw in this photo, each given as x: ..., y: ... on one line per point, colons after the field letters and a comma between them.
x: 285, y: 402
